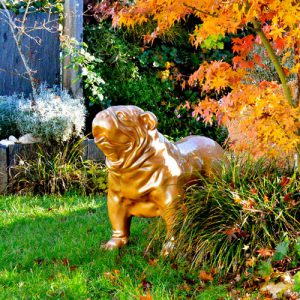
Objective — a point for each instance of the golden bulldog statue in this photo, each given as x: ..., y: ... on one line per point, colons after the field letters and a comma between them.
x: 146, y: 171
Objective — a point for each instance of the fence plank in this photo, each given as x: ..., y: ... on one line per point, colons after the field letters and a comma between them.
x: 73, y: 28
x: 42, y: 58
x: 3, y: 169
x: 91, y: 151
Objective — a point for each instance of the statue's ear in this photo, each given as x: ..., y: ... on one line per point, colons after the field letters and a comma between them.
x: 149, y: 120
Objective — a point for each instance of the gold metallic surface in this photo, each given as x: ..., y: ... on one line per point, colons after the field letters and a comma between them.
x: 146, y: 171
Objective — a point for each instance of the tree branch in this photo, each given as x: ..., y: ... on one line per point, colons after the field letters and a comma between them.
x: 19, y: 30
x: 17, y: 38
x: 201, y: 11
x: 15, y: 74
x: 275, y: 62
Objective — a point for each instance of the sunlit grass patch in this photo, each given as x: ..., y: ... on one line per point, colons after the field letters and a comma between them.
x: 50, y: 248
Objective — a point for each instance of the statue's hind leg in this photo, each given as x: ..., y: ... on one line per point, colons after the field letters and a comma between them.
x: 167, y: 197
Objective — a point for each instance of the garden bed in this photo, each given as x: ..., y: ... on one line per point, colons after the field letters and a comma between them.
x: 9, y: 155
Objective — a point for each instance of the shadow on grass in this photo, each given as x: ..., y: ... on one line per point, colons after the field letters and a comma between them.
x: 62, y: 233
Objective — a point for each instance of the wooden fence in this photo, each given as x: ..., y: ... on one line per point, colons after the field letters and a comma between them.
x: 44, y: 60
x: 43, y: 57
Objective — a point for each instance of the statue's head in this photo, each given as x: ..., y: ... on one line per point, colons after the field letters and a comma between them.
x: 118, y: 130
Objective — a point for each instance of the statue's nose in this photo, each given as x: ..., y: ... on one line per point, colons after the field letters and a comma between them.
x: 101, y: 123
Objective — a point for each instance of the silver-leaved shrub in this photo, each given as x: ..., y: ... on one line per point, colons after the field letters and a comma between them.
x: 8, y: 108
x: 53, y: 115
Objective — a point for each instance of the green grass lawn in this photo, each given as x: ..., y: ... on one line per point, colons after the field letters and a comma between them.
x: 50, y: 247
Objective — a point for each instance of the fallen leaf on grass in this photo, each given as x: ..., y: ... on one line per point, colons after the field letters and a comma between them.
x: 235, y: 233
x: 265, y: 252
x: 111, y: 275
x: 146, y: 285
x: 73, y: 268
x: 205, y: 276
x: 289, y: 199
x: 266, y: 199
x: 250, y: 262
x: 147, y: 297
x: 153, y: 262
x: 245, y: 297
x: 116, y: 272
x: 234, y: 292
x: 185, y: 287
x: 284, y: 181
x: 65, y: 261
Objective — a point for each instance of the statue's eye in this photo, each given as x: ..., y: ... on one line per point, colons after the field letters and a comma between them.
x: 121, y: 115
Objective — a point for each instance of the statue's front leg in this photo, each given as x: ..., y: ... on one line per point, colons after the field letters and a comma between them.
x: 120, y: 222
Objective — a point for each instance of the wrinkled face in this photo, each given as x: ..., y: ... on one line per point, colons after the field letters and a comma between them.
x: 117, y: 129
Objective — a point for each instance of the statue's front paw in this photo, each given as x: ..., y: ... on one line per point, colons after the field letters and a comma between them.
x: 115, y: 243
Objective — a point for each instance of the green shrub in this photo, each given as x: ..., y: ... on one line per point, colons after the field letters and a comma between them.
x: 148, y: 76
x: 88, y: 68
x: 52, y: 116
x: 58, y: 170
x: 222, y: 222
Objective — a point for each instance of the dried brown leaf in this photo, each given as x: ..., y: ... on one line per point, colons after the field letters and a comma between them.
x: 204, y: 276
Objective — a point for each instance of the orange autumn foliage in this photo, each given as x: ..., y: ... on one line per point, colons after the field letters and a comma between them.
x: 261, y: 118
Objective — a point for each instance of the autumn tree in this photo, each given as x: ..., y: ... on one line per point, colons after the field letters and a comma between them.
x: 262, y: 117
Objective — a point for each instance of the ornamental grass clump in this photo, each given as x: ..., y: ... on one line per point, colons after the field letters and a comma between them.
x: 58, y: 170
x: 224, y: 222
